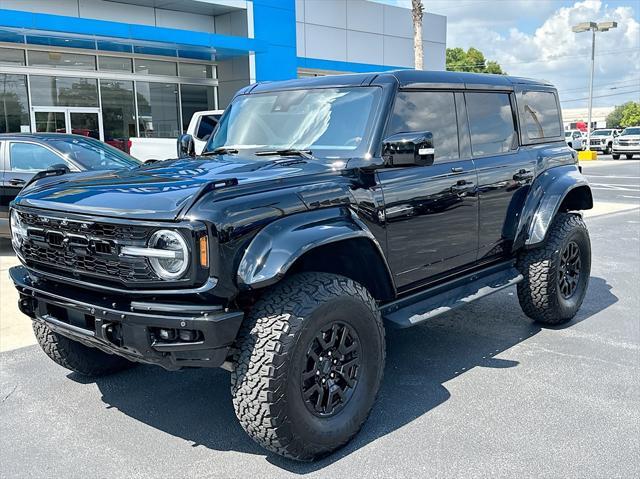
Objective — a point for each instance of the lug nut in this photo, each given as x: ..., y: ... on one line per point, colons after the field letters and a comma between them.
x: 329, y: 353
x: 332, y: 375
x: 324, y: 380
x: 317, y: 373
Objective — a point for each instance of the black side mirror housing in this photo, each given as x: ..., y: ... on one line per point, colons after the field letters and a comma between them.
x: 409, y: 149
x: 186, y: 146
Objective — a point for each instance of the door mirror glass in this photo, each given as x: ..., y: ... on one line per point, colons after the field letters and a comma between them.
x: 407, y: 149
x: 186, y: 146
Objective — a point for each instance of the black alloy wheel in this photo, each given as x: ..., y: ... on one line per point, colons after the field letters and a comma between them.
x: 569, y: 271
x: 331, y: 370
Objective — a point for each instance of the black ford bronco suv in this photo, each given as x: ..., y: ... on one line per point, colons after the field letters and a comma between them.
x: 321, y: 212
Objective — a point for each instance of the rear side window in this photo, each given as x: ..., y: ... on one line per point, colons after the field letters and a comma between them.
x: 539, y: 115
x: 490, y: 123
x: 428, y: 111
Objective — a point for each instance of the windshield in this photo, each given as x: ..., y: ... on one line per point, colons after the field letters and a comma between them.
x: 601, y: 133
x: 92, y: 154
x: 632, y: 131
x: 331, y: 122
x: 567, y: 134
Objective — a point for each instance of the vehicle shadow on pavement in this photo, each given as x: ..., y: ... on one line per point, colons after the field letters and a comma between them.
x: 196, y: 404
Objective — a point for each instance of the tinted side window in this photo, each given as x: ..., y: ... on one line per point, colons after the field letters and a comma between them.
x: 31, y: 157
x: 428, y: 111
x: 539, y: 115
x: 205, y: 127
x: 491, y: 123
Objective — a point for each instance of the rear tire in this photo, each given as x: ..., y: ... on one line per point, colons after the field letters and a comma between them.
x: 72, y: 355
x: 615, y: 156
x: 556, y: 274
x: 629, y: 157
x: 310, y: 362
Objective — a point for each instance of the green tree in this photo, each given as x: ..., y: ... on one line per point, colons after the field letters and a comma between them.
x: 627, y: 114
x: 472, y: 60
x: 631, y: 115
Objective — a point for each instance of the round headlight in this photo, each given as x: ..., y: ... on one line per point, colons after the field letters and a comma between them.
x: 18, y: 230
x: 176, y: 261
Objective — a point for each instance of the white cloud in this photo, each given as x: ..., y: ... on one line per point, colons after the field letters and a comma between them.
x: 549, y: 49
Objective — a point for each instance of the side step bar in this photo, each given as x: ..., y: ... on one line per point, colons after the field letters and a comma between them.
x: 424, y: 305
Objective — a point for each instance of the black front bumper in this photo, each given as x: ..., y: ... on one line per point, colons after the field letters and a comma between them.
x: 120, y: 325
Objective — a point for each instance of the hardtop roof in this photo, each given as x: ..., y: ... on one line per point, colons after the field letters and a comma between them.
x: 404, y: 79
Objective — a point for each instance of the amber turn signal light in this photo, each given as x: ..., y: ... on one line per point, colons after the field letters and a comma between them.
x: 204, y: 251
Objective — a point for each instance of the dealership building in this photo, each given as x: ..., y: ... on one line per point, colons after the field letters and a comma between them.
x: 140, y: 68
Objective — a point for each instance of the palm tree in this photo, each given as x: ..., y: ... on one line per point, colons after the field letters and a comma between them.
x: 417, y: 10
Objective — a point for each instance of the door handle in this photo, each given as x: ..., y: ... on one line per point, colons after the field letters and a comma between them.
x: 457, y: 169
x: 17, y: 182
x: 523, y: 175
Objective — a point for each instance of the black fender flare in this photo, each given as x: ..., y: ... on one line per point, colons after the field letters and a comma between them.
x: 547, y: 193
x: 278, y: 245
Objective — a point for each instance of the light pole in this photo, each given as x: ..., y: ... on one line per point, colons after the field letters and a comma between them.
x: 594, y: 27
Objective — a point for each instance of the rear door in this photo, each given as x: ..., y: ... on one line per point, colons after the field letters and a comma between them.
x: 431, y: 212
x: 505, y: 170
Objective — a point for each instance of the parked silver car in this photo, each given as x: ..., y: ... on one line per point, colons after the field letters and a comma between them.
x: 602, y: 140
x: 628, y: 143
x: 575, y: 140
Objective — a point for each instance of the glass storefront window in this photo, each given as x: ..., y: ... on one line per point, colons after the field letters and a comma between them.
x: 195, y: 98
x: 158, y: 109
x: 14, y: 104
x: 115, y: 64
x: 118, y: 112
x: 63, y: 91
x: 155, y: 67
x: 72, y: 61
x: 11, y: 56
x: 195, y: 70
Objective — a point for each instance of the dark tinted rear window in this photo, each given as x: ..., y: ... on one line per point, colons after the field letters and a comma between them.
x: 491, y: 123
x: 539, y: 115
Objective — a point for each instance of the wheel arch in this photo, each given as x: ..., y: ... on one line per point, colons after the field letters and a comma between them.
x: 558, y: 189
x: 331, y: 240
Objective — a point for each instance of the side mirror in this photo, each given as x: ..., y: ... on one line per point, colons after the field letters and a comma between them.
x: 407, y: 149
x: 186, y: 146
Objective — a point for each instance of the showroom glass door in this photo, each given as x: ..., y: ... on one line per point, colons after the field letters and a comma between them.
x: 79, y: 121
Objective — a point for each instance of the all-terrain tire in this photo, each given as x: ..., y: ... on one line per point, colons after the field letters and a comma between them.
x: 539, y: 292
x: 77, y: 357
x: 273, y: 354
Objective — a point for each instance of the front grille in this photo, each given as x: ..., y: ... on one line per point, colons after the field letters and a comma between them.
x: 629, y: 142
x: 78, y: 249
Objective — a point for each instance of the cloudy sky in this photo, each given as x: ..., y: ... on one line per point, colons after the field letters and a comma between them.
x: 533, y: 38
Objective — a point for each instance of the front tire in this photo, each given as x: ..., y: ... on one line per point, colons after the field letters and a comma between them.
x: 310, y: 362
x: 608, y: 149
x: 556, y: 274
x: 72, y: 355
x: 629, y: 157
x: 615, y: 156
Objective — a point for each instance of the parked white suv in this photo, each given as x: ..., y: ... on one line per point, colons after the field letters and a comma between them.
x: 575, y: 139
x: 602, y: 140
x: 628, y: 143
x: 200, y: 128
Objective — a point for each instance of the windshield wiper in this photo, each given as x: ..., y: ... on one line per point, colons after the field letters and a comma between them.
x: 221, y: 150
x: 287, y: 152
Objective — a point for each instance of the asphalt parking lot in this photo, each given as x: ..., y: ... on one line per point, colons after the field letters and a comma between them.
x: 479, y: 392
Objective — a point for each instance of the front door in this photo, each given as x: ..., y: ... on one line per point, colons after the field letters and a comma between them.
x: 431, y: 211
x: 78, y: 121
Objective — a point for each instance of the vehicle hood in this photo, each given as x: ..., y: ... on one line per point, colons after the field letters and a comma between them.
x: 162, y: 190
